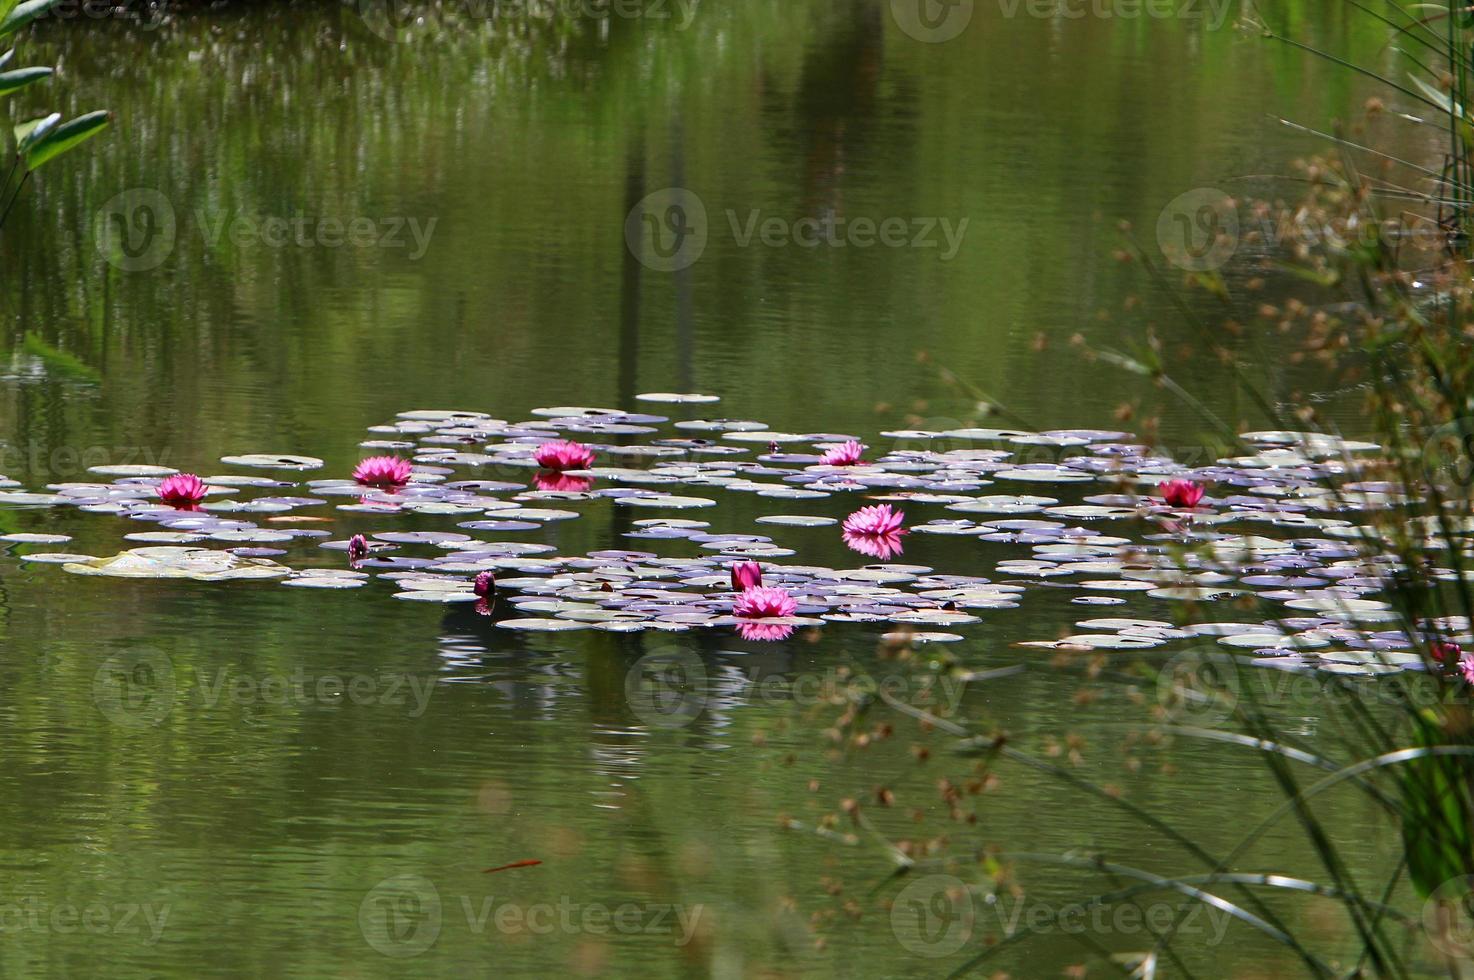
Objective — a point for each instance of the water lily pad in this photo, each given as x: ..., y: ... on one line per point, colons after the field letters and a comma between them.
x: 165, y: 537
x: 440, y: 596
x: 1000, y: 504
x: 274, y: 461
x: 19, y: 499
x: 323, y: 582
x: 1190, y: 594
x: 1123, y: 624
x: 540, y: 515
x: 537, y: 625
x: 934, y: 617
x: 197, y: 564
x: 763, y: 436
x: 255, y: 536
x: 671, y: 398
x: 131, y: 469
x: 1042, y: 474
x: 787, y: 520
x: 921, y: 637
x: 1110, y: 641
x: 665, y: 501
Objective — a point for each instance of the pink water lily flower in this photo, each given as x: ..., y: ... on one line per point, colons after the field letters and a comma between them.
x: 383, y: 471
x: 563, y: 454
x: 182, y: 490
x: 358, y: 548
x: 768, y: 632
x: 762, y: 602
x: 845, y: 454
x: 1181, y: 493
x: 561, y: 482
x: 746, y: 575
x: 1466, y: 668
x: 882, y: 519
x: 485, y: 585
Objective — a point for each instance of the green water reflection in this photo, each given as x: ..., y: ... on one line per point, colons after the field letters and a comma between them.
x: 362, y: 226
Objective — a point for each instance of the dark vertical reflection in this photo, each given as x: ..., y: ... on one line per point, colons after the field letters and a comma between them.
x: 630, y: 269
x: 685, y: 342
x: 836, y: 105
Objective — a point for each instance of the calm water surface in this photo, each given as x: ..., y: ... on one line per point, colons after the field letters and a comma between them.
x: 249, y: 824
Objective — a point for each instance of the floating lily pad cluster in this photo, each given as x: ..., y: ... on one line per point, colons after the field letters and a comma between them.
x: 1270, y: 525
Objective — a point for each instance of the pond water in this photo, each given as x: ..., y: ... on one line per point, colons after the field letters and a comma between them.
x: 315, y: 220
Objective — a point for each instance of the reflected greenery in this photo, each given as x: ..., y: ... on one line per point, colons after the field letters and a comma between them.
x: 518, y: 146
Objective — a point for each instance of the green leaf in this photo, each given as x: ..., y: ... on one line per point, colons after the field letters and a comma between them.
x: 28, y: 132
x: 17, y: 17
x: 64, y: 137
x: 5, y: 58
x: 10, y: 81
